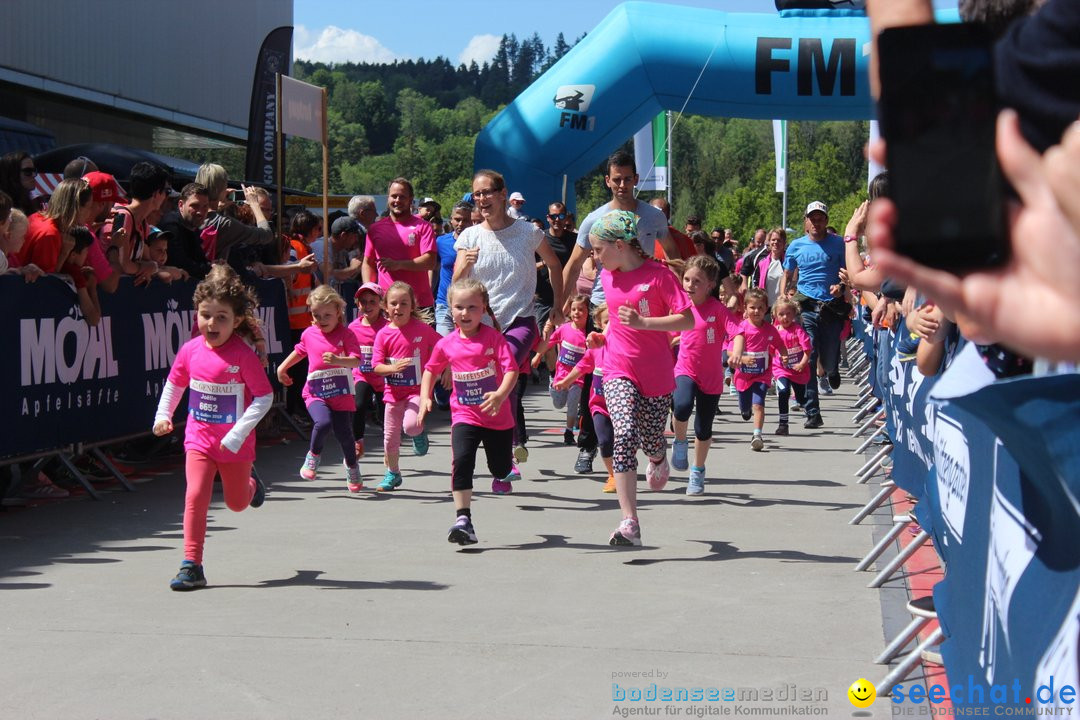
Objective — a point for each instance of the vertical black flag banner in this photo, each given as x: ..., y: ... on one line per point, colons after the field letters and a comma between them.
x: 261, y: 151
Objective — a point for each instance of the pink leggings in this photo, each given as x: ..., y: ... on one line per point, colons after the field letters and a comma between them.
x: 400, y: 413
x: 239, y: 489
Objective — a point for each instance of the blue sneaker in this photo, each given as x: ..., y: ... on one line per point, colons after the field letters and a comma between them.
x: 190, y: 577
x: 696, y: 484
x: 679, y: 459
x: 420, y: 444
x: 462, y: 532
x: 390, y: 481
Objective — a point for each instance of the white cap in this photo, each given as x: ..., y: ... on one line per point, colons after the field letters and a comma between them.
x: 819, y: 206
x: 517, y: 196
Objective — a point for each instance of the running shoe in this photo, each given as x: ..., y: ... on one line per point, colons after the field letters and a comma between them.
x: 311, y: 464
x: 628, y: 533
x: 260, y: 490
x: 756, y: 443
x: 782, y: 429
x: 679, y: 451
x: 420, y: 444
x: 657, y: 473
x: 568, y: 437
x: 462, y: 531
x: 352, y: 479
x: 696, y: 484
x: 390, y: 481
x: 190, y: 577
x: 584, y: 461
x: 824, y: 387
x: 609, y: 486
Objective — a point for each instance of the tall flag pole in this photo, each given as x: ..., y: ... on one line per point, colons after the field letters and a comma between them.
x: 780, y: 148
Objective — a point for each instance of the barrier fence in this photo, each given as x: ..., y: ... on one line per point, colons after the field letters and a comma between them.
x: 996, y: 473
x: 66, y: 382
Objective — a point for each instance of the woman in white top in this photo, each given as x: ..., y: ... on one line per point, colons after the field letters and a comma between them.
x: 771, y: 267
x: 500, y: 253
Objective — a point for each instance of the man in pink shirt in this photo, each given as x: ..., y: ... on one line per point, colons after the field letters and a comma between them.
x: 401, y: 246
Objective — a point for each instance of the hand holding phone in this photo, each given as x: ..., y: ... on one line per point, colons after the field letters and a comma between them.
x: 938, y: 110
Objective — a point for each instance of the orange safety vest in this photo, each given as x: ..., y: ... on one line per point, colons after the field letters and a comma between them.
x: 299, y: 289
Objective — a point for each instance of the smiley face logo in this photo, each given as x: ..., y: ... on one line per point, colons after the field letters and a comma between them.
x: 862, y: 693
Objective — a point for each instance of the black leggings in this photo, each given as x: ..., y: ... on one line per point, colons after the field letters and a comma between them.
x: 784, y: 386
x: 605, y: 434
x: 367, y: 399
x: 686, y: 392
x: 588, y: 436
x: 466, y: 439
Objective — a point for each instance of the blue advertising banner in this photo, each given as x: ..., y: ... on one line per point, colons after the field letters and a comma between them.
x: 66, y: 381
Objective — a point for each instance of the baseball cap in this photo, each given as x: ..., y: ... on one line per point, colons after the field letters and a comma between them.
x: 370, y: 287
x: 344, y: 225
x: 517, y: 196
x: 104, y: 187
x: 818, y: 206
x: 156, y: 234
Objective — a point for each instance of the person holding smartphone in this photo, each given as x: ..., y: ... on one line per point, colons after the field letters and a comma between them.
x: 817, y: 258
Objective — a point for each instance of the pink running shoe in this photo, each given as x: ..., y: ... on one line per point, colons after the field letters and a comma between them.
x: 628, y: 533
x: 311, y: 464
x: 657, y: 473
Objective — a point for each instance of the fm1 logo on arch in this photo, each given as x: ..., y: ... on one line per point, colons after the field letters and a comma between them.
x: 574, y: 101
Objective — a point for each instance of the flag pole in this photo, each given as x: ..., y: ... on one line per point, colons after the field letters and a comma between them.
x: 280, y: 165
x: 325, y: 192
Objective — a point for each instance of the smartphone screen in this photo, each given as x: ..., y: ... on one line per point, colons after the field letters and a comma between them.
x: 938, y: 114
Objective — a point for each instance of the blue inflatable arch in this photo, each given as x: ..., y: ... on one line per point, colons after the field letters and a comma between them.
x: 644, y: 58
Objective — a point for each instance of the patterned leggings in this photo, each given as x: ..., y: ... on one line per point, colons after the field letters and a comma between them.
x: 637, y: 421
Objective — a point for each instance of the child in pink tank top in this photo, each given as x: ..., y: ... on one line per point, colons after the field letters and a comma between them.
x: 569, y: 340
x: 369, y: 386
x: 792, y: 367
x: 332, y: 352
x: 484, y: 374
x: 750, y: 357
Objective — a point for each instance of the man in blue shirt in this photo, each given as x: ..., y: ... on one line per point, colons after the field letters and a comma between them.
x: 815, y: 260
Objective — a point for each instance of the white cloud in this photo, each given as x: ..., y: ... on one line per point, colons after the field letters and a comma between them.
x: 337, y: 45
x: 481, y: 48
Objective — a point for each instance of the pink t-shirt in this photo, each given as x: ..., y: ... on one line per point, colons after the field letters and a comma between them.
x: 332, y: 384
x: 408, y: 240
x: 222, y: 382
x: 701, y: 348
x: 478, y: 365
x: 761, y: 341
x: 365, y: 335
x: 798, y: 346
x: 642, y: 356
x: 593, y: 362
x: 569, y: 343
x: 95, y: 258
x: 414, y: 341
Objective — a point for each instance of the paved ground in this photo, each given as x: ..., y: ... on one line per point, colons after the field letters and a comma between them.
x: 324, y: 604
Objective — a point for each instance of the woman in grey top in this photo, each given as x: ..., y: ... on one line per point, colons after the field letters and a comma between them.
x: 500, y: 252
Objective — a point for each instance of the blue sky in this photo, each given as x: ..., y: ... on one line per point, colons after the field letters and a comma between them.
x: 367, y: 31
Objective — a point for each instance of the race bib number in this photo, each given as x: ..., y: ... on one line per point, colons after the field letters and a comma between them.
x: 409, y: 377
x: 598, y: 382
x: 570, y: 354
x: 366, y: 353
x: 470, y: 387
x: 215, y: 403
x: 329, y: 383
x: 755, y: 363
x: 793, y: 357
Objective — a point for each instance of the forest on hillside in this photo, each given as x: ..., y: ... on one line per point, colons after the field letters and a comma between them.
x: 419, y: 119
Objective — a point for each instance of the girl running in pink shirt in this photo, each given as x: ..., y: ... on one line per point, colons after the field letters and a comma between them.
x: 484, y: 374
x: 369, y: 386
x: 699, y: 370
x: 751, y: 351
x: 401, y: 351
x: 791, y: 368
x: 332, y: 351
x: 569, y: 338
x: 593, y: 362
x: 229, y: 394
x: 646, y: 303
